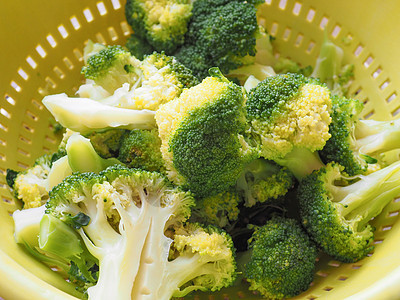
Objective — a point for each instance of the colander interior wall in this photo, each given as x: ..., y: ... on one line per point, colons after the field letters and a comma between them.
x: 42, y: 54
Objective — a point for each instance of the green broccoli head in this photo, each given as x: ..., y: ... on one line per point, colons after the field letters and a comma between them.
x: 31, y: 185
x: 336, y: 209
x: 202, y: 145
x: 220, y: 210
x: 162, y: 24
x: 358, y: 144
x: 220, y: 34
x: 282, y: 260
x: 141, y: 149
x: 204, y: 257
x: 287, y: 111
x: 111, y: 67
x: 263, y: 181
x: 138, y: 47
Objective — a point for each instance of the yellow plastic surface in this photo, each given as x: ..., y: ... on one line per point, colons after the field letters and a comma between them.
x: 41, y: 53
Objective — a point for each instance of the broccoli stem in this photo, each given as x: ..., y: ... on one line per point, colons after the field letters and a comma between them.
x: 366, y: 198
x: 377, y: 136
x: 301, y: 162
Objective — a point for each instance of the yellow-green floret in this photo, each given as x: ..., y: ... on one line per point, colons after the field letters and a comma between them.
x: 358, y: 144
x: 282, y: 260
x: 111, y: 67
x: 287, y: 111
x: 336, y: 209
x: 162, y: 24
x: 202, y: 145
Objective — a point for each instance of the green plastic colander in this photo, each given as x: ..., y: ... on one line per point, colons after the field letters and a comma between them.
x: 41, y: 53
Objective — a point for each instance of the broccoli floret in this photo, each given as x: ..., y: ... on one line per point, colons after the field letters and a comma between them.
x: 106, y: 142
x: 141, y: 149
x: 358, y: 144
x: 331, y: 70
x: 220, y: 34
x: 135, y: 258
x: 282, y: 260
x: 162, y: 24
x: 336, y: 209
x: 263, y: 181
x: 202, y: 145
x: 111, y: 67
x: 138, y: 47
x: 30, y: 186
x: 288, y: 112
x: 221, y: 210
x: 164, y: 79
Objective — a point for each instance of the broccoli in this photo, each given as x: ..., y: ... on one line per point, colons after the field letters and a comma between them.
x: 85, y: 115
x: 282, y: 260
x: 221, y: 210
x: 141, y: 149
x: 162, y: 24
x: 220, y: 34
x: 60, y: 242
x: 290, y: 114
x: 151, y: 254
x: 31, y: 186
x: 138, y: 47
x: 106, y: 142
x: 82, y: 157
x: 201, y: 136
x: 285, y: 65
x: 357, y: 144
x: 163, y: 79
x: 111, y: 67
x: 263, y: 181
x: 335, y: 209
x: 331, y: 70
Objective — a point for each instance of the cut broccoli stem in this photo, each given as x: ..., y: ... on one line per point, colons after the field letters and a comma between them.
x: 83, y: 158
x: 301, y: 162
x: 376, y: 136
x: 368, y: 196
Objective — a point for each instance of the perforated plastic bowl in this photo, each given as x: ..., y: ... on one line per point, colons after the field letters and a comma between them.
x: 41, y: 53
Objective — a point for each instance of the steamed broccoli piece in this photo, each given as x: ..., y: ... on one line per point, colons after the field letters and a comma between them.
x: 138, y: 47
x: 106, y: 142
x: 289, y: 114
x: 163, y: 79
x: 201, y: 134
x: 330, y: 68
x: 31, y: 185
x: 282, y: 260
x: 82, y: 157
x: 358, y: 144
x: 221, y: 210
x: 141, y: 149
x: 85, y: 115
x: 111, y: 67
x: 220, y: 34
x: 336, y: 209
x: 264, y: 181
x: 162, y: 24
x: 150, y: 254
x: 61, y: 242
x: 285, y: 65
